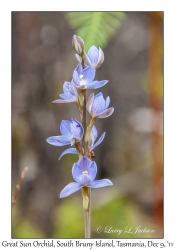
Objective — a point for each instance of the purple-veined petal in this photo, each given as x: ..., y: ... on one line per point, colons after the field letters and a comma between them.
x: 92, y: 85
x: 70, y: 189
x: 68, y: 97
x: 84, y: 179
x: 78, y: 57
x: 68, y: 151
x: 76, y: 78
x: 107, y: 102
x: 76, y: 129
x: 58, y: 140
x: 92, y: 170
x: 79, y: 68
x: 93, y: 55
x: 106, y: 113
x: 90, y: 102
x: 92, y: 137
x: 98, y: 105
x: 66, y: 87
x: 88, y: 74
x: 63, y: 101
x: 69, y: 89
x: 73, y: 90
x: 76, y: 172
x: 65, y: 128
x: 99, y: 141
x: 99, y: 84
x: 100, y: 183
x: 87, y: 61
x: 84, y: 162
x: 94, y: 132
x: 100, y: 58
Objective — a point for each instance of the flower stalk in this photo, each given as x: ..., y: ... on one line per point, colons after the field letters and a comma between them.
x: 86, y: 193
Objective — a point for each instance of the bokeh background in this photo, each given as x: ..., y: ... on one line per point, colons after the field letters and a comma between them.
x: 131, y: 155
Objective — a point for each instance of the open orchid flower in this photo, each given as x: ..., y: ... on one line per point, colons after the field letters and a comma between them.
x: 70, y: 94
x: 92, y: 143
x: 83, y: 78
x: 84, y: 173
x: 98, y: 106
x: 72, y: 131
x: 94, y: 57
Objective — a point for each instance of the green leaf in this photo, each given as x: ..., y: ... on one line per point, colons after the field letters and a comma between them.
x: 95, y: 28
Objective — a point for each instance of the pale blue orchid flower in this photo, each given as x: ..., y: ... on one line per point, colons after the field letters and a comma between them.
x: 70, y: 93
x: 84, y: 173
x: 72, y: 131
x: 83, y: 78
x: 92, y: 145
x: 98, y: 106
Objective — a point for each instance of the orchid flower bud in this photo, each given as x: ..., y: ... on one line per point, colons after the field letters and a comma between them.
x: 78, y: 44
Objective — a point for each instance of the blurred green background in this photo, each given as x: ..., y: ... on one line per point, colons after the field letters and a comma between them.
x: 131, y: 155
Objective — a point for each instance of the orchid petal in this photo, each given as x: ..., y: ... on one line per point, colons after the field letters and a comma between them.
x: 68, y: 151
x: 99, y: 141
x: 100, y: 58
x: 84, y: 163
x: 99, y: 84
x: 78, y: 57
x: 100, y: 183
x: 68, y: 97
x: 63, y: 101
x: 65, y: 128
x: 92, y: 170
x: 92, y: 137
x: 58, y: 140
x: 84, y: 179
x: 76, y: 129
x: 94, y: 132
x: 78, y: 69
x: 86, y: 60
x: 93, y: 55
x: 98, y: 104
x: 90, y: 102
x: 70, y: 189
x: 106, y: 113
x: 88, y: 74
x: 76, y: 78
x: 76, y: 171
x: 107, y: 102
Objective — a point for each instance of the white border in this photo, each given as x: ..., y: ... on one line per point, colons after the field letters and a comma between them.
x: 5, y: 93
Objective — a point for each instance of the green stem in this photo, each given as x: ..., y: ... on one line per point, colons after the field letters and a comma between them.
x: 86, y: 192
x: 84, y: 120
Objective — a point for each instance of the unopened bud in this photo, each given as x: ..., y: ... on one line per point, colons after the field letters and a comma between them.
x: 78, y: 44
